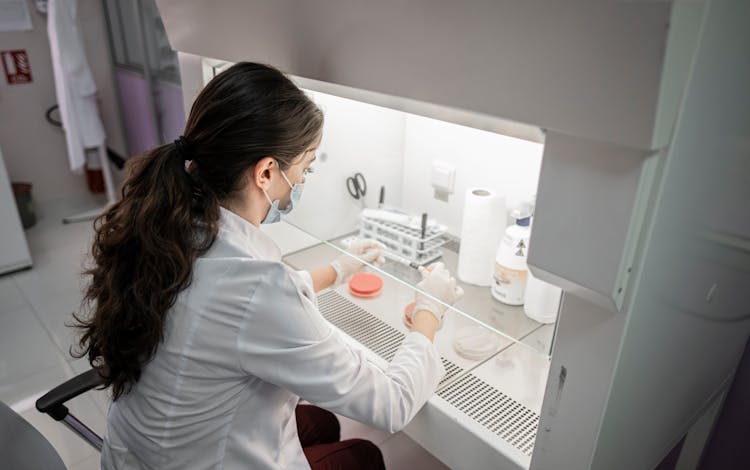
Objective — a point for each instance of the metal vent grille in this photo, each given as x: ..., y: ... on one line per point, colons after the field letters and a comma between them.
x: 451, y: 371
x: 494, y: 410
x: 360, y: 325
x: 485, y: 404
x: 377, y: 335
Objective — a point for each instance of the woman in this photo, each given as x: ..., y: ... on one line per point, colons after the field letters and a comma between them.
x: 207, y: 340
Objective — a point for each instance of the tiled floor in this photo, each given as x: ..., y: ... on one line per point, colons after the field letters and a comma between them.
x: 35, y: 306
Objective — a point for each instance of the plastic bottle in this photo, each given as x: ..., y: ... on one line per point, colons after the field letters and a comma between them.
x: 542, y: 300
x: 511, y: 271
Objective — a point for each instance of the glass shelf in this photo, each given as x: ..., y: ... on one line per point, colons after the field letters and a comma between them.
x: 388, y: 308
x: 506, y: 325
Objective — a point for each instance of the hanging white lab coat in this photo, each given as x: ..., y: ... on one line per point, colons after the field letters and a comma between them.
x: 74, y: 85
x: 242, y: 345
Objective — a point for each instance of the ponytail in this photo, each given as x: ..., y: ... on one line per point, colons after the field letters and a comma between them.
x: 143, y: 253
x: 145, y: 244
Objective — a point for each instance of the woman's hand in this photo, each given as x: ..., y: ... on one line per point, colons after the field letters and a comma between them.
x: 437, y: 283
x: 360, y: 251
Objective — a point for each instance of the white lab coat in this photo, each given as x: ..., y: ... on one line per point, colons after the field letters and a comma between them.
x: 242, y: 345
x: 74, y: 85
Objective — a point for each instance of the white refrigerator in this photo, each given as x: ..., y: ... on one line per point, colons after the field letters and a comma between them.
x: 14, y: 252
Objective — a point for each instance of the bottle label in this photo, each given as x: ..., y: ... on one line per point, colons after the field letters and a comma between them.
x: 509, y: 285
x: 515, y: 246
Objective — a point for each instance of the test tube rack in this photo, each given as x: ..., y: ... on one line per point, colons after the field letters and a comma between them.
x: 406, y: 242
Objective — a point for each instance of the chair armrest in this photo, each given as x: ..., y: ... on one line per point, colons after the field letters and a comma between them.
x: 53, y: 401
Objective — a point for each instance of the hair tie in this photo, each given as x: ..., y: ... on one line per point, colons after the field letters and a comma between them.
x: 183, y: 149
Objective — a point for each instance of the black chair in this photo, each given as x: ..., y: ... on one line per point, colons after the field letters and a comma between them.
x: 53, y: 404
x: 23, y: 447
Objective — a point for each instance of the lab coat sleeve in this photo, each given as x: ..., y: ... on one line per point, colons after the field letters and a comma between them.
x: 286, y: 341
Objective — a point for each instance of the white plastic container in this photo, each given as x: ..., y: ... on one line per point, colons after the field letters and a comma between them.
x: 511, y: 271
x: 542, y: 300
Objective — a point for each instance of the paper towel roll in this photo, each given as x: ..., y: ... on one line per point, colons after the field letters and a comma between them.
x: 542, y: 300
x: 481, y: 231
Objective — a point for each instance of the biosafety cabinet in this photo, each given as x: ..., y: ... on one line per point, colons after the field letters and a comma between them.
x: 629, y: 122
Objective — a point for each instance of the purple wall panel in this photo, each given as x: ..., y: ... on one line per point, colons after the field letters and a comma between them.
x: 136, y: 113
x: 171, y: 112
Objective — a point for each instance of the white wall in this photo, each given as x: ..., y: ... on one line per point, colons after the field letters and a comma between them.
x: 357, y: 137
x: 504, y: 164
x: 34, y: 150
x: 396, y: 149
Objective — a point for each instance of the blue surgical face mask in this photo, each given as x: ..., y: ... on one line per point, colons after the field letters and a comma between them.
x: 274, y: 213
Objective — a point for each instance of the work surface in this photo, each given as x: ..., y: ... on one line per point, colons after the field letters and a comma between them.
x: 516, y: 372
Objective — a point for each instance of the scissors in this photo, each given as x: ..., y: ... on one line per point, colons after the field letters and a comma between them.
x: 357, y: 186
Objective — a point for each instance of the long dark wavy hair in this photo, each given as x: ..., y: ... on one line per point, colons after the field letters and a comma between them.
x: 145, y: 244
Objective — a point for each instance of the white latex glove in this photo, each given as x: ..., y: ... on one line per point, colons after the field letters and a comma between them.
x: 361, y: 250
x: 437, y: 282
